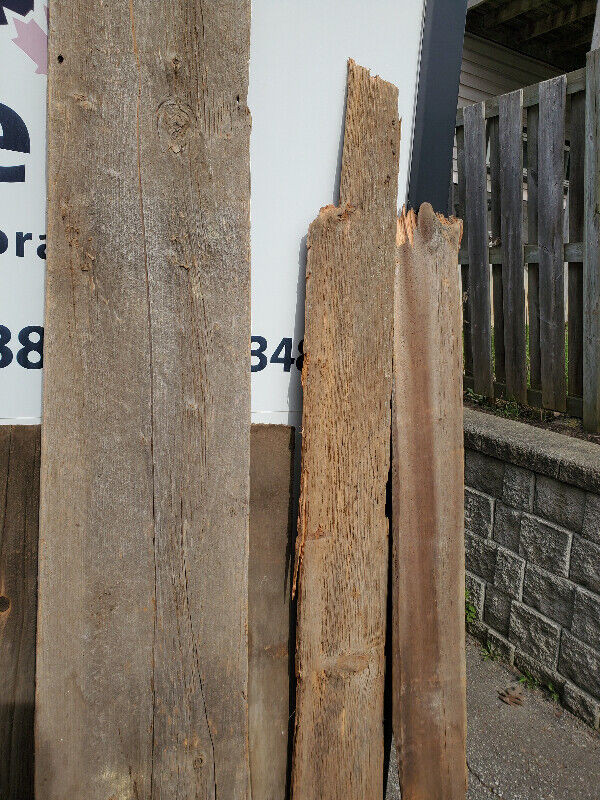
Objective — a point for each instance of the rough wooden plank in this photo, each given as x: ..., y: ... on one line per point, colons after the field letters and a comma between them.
x: 429, y: 701
x: 19, y: 503
x: 142, y: 648
x: 342, y: 548
x: 551, y: 142
x: 533, y: 272
x: 461, y: 213
x: 479, y: 271
x: 591, y: 263
x: 270, y: 657
x: 496, y: 232
x: 576, y: 222
x: 513, y: 276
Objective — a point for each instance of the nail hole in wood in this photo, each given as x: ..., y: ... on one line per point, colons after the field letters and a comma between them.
x: 60, y: 59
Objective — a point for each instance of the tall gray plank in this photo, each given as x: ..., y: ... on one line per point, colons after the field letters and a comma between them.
x: 591, y: 263
x: 270, y: 656
x: 533, y: 270
x: 142, y: 648
x: 479, y: 271
x: 576, y: 222
x: 461, y: 213
x: 496, y: 232
x: 19, y: 504
x: 513, y: 268
x: 551, y: 142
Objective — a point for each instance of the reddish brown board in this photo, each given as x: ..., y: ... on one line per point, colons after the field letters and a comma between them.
x: 342, y: 547
x: 269, y: 608
x: 428, y: 637
x: 19, y: 502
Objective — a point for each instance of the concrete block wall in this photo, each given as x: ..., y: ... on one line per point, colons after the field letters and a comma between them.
x: 532, y: 539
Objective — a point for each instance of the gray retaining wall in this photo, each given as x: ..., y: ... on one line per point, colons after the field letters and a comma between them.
x: 532, y: 537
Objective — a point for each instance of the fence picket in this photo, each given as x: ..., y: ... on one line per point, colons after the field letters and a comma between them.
x: 496, y: 230
x: 591, y: 263
x: 575, y: 289
x: 550, y: 223
x: 511, y: 193
x: 479, y: 272
x: 533, y: 270
x: 461, y: 213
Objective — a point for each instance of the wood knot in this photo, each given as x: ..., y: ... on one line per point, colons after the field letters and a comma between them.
x: 175, y: 120
x: 4, y: 604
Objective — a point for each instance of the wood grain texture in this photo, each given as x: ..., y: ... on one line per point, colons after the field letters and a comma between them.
x: 551, y: 142
x: 591, y: 263
x: 513, y: 268
x: 576, y: 223
x: 479, y: 270
x: 142, y: 648
x: 19, y: 504
x: 461, y: 213
x: 533, y: 272
x: 496, y: 233
x: 342, y: 547
x: 269, y: 608
x: 428, y: 636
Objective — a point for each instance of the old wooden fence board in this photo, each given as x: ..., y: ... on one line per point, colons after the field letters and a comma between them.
x: 342, y: 547
x: 513, y: 276
x: 461, y: 209
x: 19, y: 503
x: 533, y: 272
x: 479, y: 271
x: 142, y: 649
x: 496, y: 232
x: 269, y: 608
x: 429, y: 685
x: 591, y: 266
x: 551, y: 142
x: 576, y: 217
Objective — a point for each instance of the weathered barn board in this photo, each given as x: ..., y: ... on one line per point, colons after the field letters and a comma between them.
x: 513, y: 275
x: 576, y: 222
x: 533, y: 272
x: 270, y: 657
x: 479, y: 271
x: 429, y: 684
x: 461, y: 209
x: 142, y: 649
x: 591, y: 263
x: 551, y: 142
x: 496, y: 233
x: 19, y: 503
x: 342, y: 547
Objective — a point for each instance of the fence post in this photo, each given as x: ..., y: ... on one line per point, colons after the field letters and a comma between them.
x: 591, y: 258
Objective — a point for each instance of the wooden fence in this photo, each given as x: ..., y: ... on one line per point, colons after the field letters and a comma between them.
x: 534, y: 154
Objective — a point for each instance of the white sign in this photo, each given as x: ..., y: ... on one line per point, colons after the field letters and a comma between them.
x: 23, y: 49
x: 298, y: 57
x: 299, y: 52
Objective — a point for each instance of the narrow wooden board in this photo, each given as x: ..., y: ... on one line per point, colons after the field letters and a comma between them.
x: 513, y: 268
x: 551, y: 142
x: 479, y: 270
x: 461, y: 213
x: 576, y: 224
x: 342, y: 547
x: 269, y: 608
x: 142, y: 648
x: 591, y: 263
x: 428, y: 639
x: 19, y: 503
x: 533, y: 272
x: 496, y: 232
